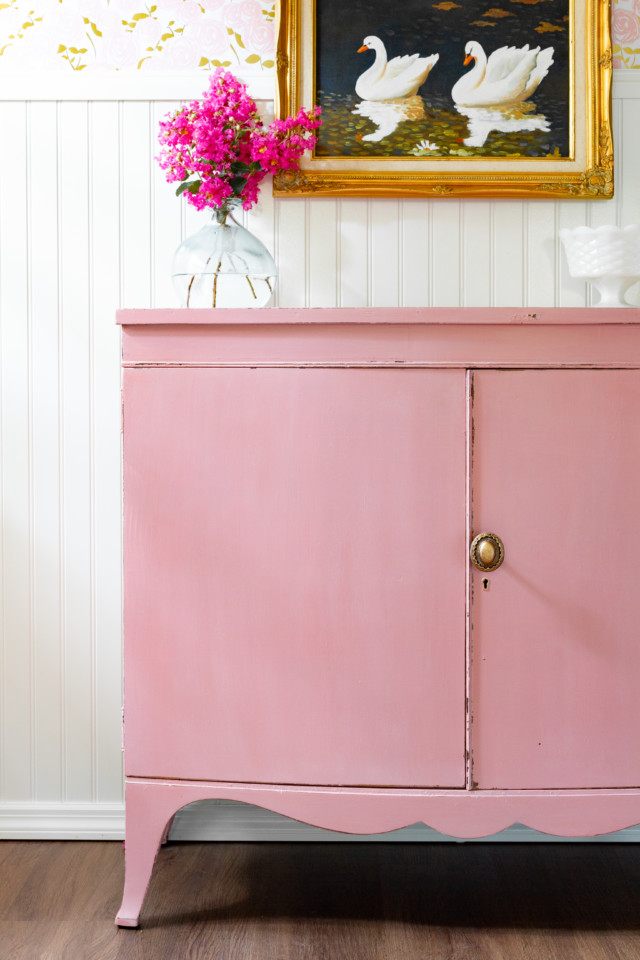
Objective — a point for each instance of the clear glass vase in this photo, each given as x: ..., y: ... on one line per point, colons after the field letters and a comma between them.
x: 223, y: 265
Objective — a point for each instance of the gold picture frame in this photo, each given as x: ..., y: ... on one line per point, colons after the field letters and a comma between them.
x: 581, y: 168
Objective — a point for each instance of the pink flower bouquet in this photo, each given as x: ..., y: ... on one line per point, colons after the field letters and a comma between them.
x: 220, y: 151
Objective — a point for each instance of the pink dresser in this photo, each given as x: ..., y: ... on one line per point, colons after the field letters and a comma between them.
x: 304, y: 628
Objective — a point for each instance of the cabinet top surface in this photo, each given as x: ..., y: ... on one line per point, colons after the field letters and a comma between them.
x: 509, y: 316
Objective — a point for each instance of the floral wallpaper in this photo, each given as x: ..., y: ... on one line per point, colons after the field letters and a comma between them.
x: 160, y: 35
x: 130, y: 35
x: 625, y: 25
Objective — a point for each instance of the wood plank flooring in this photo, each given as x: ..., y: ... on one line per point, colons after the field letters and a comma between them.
x: 294, y: 901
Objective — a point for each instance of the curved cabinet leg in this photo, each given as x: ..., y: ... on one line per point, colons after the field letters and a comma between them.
x: 149, y: 812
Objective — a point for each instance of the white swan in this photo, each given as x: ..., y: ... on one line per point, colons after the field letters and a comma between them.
x: 392, y: 79
x: 510, y: 75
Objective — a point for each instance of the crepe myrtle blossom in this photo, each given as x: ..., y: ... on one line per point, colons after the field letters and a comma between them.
x: 219, y: 150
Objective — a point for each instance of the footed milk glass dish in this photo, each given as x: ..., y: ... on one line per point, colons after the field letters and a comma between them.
x: 607, y: 256
x: 223, y: 265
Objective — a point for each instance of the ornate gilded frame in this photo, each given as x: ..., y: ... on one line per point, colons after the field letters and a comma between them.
x: 588, y: 174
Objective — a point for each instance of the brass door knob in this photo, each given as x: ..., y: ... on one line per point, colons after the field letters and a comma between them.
x: 487, y: 551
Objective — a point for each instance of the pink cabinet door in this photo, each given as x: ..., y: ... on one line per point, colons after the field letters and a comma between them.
x: 556, y: 636
x: 295, y: 559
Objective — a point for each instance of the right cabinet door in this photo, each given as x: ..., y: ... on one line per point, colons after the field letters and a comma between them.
x: 555, y: 631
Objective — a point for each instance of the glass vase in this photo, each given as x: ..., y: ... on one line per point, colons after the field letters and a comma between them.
x: 223, y: 265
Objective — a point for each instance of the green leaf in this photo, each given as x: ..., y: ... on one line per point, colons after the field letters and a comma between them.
x: 195, y: 186
x: 254, y: 58
x: 238, y: 166
x: 181, y: 189
x: 268, y: 63
x: 237, y: 184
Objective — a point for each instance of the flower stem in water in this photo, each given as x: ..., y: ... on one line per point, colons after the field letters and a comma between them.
x: 215, y: 280
x: 252, y: 290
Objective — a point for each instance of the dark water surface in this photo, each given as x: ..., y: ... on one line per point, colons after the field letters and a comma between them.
x: 435, y: 128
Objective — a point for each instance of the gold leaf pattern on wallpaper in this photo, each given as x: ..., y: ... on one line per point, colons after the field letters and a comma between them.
x: 130, y: 35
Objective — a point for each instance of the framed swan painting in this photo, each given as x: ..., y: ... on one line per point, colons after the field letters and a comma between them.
x: 450, y: 97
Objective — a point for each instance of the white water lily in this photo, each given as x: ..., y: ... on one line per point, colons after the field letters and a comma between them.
x: 423, y: 146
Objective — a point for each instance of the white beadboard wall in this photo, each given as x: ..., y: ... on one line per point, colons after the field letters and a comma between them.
x: 87, y: 224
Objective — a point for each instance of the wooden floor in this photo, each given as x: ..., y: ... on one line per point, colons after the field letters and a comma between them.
x: 293, y: 901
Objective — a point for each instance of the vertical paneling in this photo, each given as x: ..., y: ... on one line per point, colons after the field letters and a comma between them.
x: 540, y: 264
x: 508, y: 253
x: 630, y: 208
x: 17, y: 528
x: 291, y: 252
x: 137, y: 217
x: 46, y: 436
x: 354, y: 260
x: 323, y: 282
x: 415, y: 221
x: 446, y: 253
x: 88, y: 223
x: 104, y: 375
x: 384, y: 253
x: 629, y: 121
x: 77, y: 474
x: 477, y: 262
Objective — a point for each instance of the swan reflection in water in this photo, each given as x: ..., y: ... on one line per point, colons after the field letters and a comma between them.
x: 510, y: 118
x: 387, y: 114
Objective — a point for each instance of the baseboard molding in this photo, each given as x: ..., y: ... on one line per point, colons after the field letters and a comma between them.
x: 225, y: 820
x: 61, y: 821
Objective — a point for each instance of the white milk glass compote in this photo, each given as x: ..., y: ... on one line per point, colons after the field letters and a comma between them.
x: 608, y: 256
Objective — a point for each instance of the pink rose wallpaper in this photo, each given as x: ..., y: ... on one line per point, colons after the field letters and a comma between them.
x: 179, y: 35
x: 132, y: 35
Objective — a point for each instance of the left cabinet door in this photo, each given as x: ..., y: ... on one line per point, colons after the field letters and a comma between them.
x: 295, y: 557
